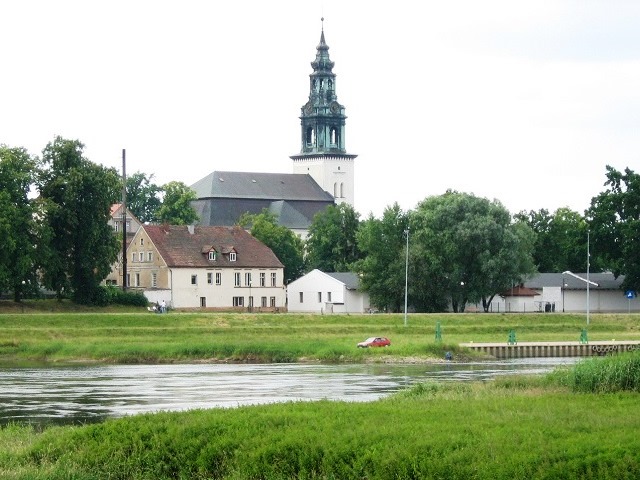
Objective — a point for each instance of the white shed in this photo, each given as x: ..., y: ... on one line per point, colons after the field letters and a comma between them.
x: 321, y: 292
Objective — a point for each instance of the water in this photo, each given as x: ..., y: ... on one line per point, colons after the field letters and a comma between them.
x: 71, y: 395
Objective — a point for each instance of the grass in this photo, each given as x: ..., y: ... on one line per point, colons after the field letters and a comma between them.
x: 142, y: 337
x: 513, y: 428
x: 579, y: 423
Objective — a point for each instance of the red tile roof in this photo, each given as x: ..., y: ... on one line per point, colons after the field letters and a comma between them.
x: 179, y: 248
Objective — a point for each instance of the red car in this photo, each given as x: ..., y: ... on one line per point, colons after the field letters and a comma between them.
x: 375, y: 342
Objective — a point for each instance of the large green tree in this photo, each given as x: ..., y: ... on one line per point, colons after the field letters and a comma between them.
x: 18, y: 227
x: 466, y: 249
x: 614, y: 221
x: 285, y: 244
x: 77, y: 196
x: 143, y: 197
x: 331, y: 243
x: 383, y: 262
x: 176, y: 206
x: 560, y: 241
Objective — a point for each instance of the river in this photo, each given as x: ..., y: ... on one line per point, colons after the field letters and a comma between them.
x: 86, y: 394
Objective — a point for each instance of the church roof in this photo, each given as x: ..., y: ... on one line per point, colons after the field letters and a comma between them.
x: 260, y: 186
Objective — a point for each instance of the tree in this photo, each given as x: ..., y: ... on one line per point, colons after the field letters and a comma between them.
x: 331, y: 243
x: 77, y: 196
x: 143, y: 197
x: 382, y: 264
x: 176, y: 206
x: 18, y: 229
x: 285, y: 244
x: 614, y: 221
x: 560, y: 241
x: 465, y: 249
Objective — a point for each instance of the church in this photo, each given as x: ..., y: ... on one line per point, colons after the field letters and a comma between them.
x: 323, y: 171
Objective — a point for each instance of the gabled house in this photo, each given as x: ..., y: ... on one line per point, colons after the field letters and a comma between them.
x: 320, y: 292
x: 205, y: 267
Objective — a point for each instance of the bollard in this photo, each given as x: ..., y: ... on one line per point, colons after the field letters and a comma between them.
x: 438, y: 332
x: 583, y: 337
x: 512, y: 337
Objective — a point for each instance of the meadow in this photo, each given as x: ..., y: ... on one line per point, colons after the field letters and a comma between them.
x: 143, y: 337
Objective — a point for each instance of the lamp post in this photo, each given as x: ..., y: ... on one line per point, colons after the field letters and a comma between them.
x: 406, y: 276
x: 589, y: 282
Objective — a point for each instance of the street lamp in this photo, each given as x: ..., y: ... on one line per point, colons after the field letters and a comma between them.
x: 406, y: 276
x: 589, y: 282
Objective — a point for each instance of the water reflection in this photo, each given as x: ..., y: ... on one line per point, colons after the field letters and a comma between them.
x: 91, y: 394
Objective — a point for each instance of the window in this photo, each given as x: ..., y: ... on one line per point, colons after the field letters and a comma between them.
x: 273, y: 301
x: 238, y: 301
x: 212, y: 255
x: 141, y: 256
x: 149, y: 256
x: 210, y: 278
x: 133, y: 257
x: 263, y: 302
x: 301, y: 297
x: 232, y: 256
x: 141, y: 241
x: 128, y: 279
x: 319, y: 297
x: 137, y: 280
x: 262, y: 279
x: 203, y: 301
x: 116, y: 226
x: 329, y: 297
x: 218, y: 278
x: 273, y: 279
x: 154, y: 280
x: 247, y: 279
x: 236, y: 281
x: 194, y: 279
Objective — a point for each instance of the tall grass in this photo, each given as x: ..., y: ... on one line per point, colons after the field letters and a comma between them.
x: 453, y: 431
x: 618, y: 373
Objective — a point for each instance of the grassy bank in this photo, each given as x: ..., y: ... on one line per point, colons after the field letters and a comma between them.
x: 513, y: 428
x: 127, y: 337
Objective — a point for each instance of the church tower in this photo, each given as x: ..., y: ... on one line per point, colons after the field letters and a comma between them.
x: 323, y: 154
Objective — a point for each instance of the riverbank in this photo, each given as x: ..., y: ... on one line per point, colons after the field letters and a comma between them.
x: 143, y: 337
x: 512, y: 428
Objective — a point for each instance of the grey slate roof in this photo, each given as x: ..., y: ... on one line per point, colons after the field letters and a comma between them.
x: 605, y: 281
x: 350, y: 280
x: 269, y: 186
x: 294, y: 199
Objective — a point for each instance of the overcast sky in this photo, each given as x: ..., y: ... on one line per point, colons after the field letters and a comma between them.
x: 525, y: 102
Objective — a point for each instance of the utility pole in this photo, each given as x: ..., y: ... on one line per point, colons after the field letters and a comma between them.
x: 124, y: 221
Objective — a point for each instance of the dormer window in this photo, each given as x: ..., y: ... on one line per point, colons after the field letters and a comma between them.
x: 232, y: 256
x: 212, y: 255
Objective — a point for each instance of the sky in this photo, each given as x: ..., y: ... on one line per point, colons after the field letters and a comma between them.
x: 524, y: 102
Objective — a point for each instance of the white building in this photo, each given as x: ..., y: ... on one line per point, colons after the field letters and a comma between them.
x: 205, y: 267
x: 565, y: 292
x: 320, y: 292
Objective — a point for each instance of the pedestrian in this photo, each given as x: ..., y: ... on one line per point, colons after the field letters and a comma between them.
x: 163, y: 307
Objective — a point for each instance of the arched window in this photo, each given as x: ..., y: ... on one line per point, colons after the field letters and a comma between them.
x: 310, y: 137
x: 342, y: 190
x: 335, y: 190
x: 334, y: 135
